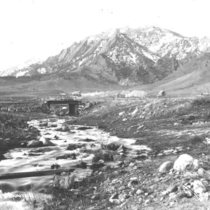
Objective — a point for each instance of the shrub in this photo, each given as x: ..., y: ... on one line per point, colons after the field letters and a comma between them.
x: 196, y: 140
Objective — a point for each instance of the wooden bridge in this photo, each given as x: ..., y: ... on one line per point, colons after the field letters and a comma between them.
x: 73, y: 105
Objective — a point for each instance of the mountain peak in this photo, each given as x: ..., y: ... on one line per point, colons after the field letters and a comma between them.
x: 122, y: 56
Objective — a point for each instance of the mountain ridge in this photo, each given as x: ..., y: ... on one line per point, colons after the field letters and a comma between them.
x: 125, y: 57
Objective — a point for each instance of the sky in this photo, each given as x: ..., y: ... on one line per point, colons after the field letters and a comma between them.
x: 37, y: 29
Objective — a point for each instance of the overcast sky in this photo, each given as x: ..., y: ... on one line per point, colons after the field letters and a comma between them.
x: 42, y: 28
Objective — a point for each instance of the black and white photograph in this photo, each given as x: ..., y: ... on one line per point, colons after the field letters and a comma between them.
x: 104, y: 105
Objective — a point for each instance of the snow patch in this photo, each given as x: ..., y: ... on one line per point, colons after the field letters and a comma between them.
x: 21, y: 73
x: 42, y: 70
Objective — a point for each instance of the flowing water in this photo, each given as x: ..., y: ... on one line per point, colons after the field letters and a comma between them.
x: 42, y: 158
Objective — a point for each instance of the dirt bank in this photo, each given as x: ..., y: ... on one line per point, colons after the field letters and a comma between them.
x: 158, y: 122
x: 15, y: 130
x: 171, y: 127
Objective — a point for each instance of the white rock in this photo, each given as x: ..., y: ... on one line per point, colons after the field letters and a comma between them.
x: 170, y: 189
x: 171, y: 203
x: 46, y: 142
x: 34, y: 143
x: 196, y: 164
x: 207, y: 141
x: 114, y: 199
x: 166, y: 166
x: 121, y: 113
x: 204, y: 196
x: 184, y: 162
x: 201, y: 172
x: 198, y: 187
x: 139, y: 191
x: 101, y: 161
x: 65, y: 128
x: 122, y: 197
x: 134, y: 179
x: 131, y: 164
x: 160, y: 154
x: 172, y: 196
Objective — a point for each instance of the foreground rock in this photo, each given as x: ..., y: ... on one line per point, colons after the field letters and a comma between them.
x: 184, y: 162
x: 192, y: 181
x: 46, y: 142
x: 165, y: 167
x: 35, y: 143
x: 75, y: 146
x: 63, y: 128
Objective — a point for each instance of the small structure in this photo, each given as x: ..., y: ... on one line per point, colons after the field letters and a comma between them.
x: 76, y: 95
x: 73, y: 105
x: 63, y: 96
x: 162, y: 93
x: 120, y: 95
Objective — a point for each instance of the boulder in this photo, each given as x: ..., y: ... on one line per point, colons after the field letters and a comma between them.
x: 63, y: 128
x: 204, y: 196
x: 114, y: 199
x: 185, y: 162
x: 87, y: 140
x: 35, y: 143
x: 84, y: 128
x: 165, y: 167
x: 139, y: 192
x: 96, y: 166
x: 198, y: 187
x: 122, y: 149
x: 67, y: 156
x: 53, y: 125
x: 201, y: 172
x: 82, y: 164
x: 102, y: 155
x: 172, y: 196
x: 46, y: 142
x: 170, y: 189
x: 122, y: 197
x: 133, y: 181
x: 43, y: 124
x: 55, y: 166
x: 74, y: 146
x: 24, y: 144
x: 113, y: 146
x: 117, y: 157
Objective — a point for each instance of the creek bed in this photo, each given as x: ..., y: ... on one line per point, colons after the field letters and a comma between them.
x: 26, y: 160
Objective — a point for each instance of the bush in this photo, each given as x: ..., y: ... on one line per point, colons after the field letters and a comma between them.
x: 102, y: 155
x: 196, y: 140
x: 201, y: 101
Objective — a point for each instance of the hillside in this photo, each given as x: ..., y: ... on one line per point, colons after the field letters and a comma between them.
x: 126, y: 57
x: 39, y: 86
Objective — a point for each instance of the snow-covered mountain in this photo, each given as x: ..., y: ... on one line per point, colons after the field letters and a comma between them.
x: 124, y: 56
x: 18, y: 69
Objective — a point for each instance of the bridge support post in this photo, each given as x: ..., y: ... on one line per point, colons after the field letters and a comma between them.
x: 48, y: 105
x: 72, y: 104
x: 72, y: 109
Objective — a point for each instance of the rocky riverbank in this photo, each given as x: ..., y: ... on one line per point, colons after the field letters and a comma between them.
x: 60, y: 147
x: 170, y: 127
x: 160, y: 123
x: 14, y: 130
x: 162, y: 163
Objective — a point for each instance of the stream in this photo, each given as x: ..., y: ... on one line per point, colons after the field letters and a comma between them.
x: 19, y: 192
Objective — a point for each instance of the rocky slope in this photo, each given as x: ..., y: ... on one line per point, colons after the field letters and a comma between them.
x: 173, y: 175
x: 125, y: 57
